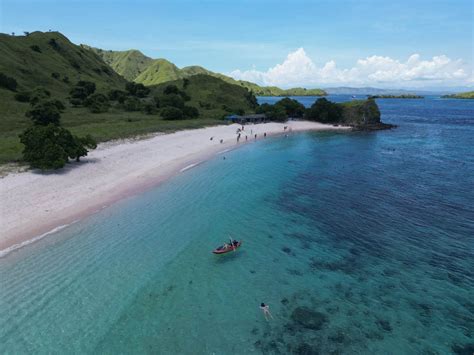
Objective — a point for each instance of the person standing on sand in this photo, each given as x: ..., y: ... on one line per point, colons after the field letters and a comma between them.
x: 265, y: 134
x: 266, y: 311
x: 255, y: 135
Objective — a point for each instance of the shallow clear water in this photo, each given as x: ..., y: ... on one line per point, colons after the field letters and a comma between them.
x: 372, y: 230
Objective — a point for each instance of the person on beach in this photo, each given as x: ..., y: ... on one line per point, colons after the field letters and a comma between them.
x: 266, y: 311
x: 246, y: 138
x: 255, y: 135
x: 222, y: 141
x: 265, y: 134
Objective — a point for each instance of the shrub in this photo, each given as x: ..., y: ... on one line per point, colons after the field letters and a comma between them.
x: 149, y: 108
x: 22, y: 96
x: 39, y: 94
x: 55, y: 45
x: 97, y: 103
x: 172, y: 100
x: 8, y: 82
x: 55, y: 75
x: 171, y: 113
x: 171, y: 89
x: 117, y: 95
x: 35, y: 48
x: 138, y: 90
x: 132, y: 104
x: 190, y: 112
x: 44, y: 113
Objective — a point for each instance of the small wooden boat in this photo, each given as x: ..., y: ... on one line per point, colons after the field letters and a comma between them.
x: 227, y: 248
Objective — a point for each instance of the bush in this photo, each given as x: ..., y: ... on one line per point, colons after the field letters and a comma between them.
x: 171, y: 113
x: 55, y: 75
x: 190, y: 112
x: 97, y: 103
x: 171, y: 89
x: 88, y: 86
x: 35, y: 48
x: 132, y: 104
x: 172, y: 100
x: 149, y: 109
x: 22, y: 96
x: 44, y: 113
x: 8, y: 82
x: 39, y: 94
x: 80, y: 92
x: 117, y: 95
x: 138, y: 90
x: 55, y: 45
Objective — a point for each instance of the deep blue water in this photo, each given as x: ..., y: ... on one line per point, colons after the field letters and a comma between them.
x: 373, y: 232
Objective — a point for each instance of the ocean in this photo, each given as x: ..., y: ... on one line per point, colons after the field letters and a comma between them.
x: 358, y: 242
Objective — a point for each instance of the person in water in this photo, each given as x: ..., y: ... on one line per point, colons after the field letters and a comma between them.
x: 266, y: 311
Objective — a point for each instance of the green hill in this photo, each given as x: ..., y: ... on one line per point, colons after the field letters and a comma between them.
x: 135, y: 66
x: 462, y: 95
x: 129, y: 64
x: 159, y: 71
x: 50, y: 61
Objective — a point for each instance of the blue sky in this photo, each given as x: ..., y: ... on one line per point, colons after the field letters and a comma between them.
x: 268, y: 40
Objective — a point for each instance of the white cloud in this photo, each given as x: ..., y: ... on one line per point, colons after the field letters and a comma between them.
x: 299, y: 70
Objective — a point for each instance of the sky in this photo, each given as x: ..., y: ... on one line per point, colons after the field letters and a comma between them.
x: 397, y: 44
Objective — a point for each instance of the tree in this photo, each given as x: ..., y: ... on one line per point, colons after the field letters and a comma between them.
x: 172, y: 100
x: 88, y: 86
x: 149, y: 108
x: 171, y: 113
x: 44, y: 113
x: 138, y: 90
x: 293, y: 108
x: 190, y: 112
x: 324, y: 111
x: 39, y: 94
x: 117, y: 95
x: 44, y: 146
x: 8, y: 82
x: 132, y: 104
x: 97, y: 103
x: 171, y: 89
x: 273, y: 112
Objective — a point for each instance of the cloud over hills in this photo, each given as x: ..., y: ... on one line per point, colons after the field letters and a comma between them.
x: 298, y: 69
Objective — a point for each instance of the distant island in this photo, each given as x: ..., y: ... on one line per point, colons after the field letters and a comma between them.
x: 461, y: 95
x: 404, y: 96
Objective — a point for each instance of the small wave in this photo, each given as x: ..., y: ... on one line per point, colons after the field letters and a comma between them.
x: 189, y: 167
x: 223, y: 151
x: 8, y: 250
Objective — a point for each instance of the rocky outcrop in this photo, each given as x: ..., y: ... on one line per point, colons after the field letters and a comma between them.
x: 308, y: 318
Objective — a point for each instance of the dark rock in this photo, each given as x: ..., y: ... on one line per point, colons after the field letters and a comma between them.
x: 305, y: 349
x: 252, y: 271
x: 467, y: 349
x: 308, y: 318
x: 294, y: 272
x: 338, y: 337
x: 285, y: 301
x: 384, y: 324
x: 286, y: 250
x: 254, y: 331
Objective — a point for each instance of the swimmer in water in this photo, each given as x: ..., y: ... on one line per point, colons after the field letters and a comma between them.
x: 266, y: 311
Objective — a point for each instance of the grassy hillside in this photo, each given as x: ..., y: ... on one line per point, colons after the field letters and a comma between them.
x: 156, y: 71
x: 159, y: 71
x: 462, y: 95
x: 129, y: 64
x: 49, y: 60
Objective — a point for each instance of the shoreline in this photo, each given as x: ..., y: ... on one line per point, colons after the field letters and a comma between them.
x: 35, y: 205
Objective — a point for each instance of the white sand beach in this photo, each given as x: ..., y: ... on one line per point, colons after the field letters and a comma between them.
x: 35, y: 203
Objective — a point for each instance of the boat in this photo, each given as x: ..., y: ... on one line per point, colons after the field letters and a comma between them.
x: 226, y: 249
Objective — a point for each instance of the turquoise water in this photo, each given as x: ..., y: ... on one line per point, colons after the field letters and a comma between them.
x: 374, y: 231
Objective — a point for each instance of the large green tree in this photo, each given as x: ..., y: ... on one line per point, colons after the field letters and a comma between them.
x: 324, y: 111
